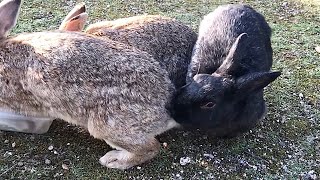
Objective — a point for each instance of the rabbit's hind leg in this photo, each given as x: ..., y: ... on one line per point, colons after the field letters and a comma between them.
x: 130, y: 152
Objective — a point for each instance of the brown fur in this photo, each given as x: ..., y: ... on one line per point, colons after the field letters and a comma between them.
x: 119, y: 94
x: 169, y: 41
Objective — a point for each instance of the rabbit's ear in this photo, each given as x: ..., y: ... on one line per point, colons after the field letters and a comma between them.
x: 255, y: 81
x: 76, y: 19
x: 237, y: 52
x: 76, y: 23
x: 9, y: 10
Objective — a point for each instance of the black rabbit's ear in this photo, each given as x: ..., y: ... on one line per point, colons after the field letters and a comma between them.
x: 9, y: 11
x: 237, y: 52
x: 255, y: 81
x: 76, y: 19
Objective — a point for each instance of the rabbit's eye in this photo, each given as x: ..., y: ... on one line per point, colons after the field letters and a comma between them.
x: 209, y: 105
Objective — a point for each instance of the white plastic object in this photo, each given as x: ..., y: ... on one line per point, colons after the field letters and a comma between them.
x: 15, y: 122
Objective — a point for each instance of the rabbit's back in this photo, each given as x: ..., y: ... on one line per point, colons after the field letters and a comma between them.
x: 169, y: 41
x: 219, y: 30
x: 75, y: 76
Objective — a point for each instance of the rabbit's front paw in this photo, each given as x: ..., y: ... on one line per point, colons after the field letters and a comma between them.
x: 118, y: 159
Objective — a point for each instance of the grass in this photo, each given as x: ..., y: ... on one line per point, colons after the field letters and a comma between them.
x: 285, y: 146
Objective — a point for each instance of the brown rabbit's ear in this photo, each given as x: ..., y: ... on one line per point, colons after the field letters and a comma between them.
x: 237, y: 52
x: 76, y: 19
x: 76, y: 23
x: 9, y: 11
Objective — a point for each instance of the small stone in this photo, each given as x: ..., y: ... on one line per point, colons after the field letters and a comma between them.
x: 55, y: 152
x: 65, y: 167
x: 184, y: 161
x: 260, y: 136
x: 204, y: 163
x: 7, y: 154
x: 138, y: 167
x: 68, y: 144
x: 6, y: 141
x: 13, y: 144
x: 209, y: 156
x: 56, y: 175
x: 165, y: 145
x: 20, y: 164
x: 300, y: 95
x: 311, y: 175
x: 317, y: 49
x: 50, y: 148
x: 185, y: 134
x: 285, y: 168
x: 254, y: 167
x: 47, y: 161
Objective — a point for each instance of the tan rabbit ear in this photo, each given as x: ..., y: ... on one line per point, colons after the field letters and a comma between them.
x: 9, y: 10
x: 78, y: 18
x: 76, y: 23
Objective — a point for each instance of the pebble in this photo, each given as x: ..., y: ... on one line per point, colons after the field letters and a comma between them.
x: 6, y: 141
x: 254, y: 167
x: 185, y: 134
x: 311, y: 175
x: 184, y: 161
x: 20, y: 164
x: 300, y: 95
x: 50, y: 147
x: 13, y: 144
x: 7, y: 154
x: 284, y: 4
x: 209, y: 156
x: 165, y: 145
x: 65, y: 167
x: 47, y: 161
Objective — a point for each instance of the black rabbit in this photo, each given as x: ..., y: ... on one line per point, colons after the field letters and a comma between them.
x: 229, y: 68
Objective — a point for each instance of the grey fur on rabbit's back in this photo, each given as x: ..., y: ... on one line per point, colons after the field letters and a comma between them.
x: 119, y: 94
x: 219, y: 30
x: 169, y: 41
x: 228, y: 71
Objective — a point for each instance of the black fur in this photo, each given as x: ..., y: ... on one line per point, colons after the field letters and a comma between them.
x: 229, y: 69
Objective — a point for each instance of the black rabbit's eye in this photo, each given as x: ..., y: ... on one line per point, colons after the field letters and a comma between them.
x: 209, y: 105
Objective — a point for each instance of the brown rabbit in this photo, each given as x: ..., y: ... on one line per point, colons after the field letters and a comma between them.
x: 119, y: 94
x: 169, y: 41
